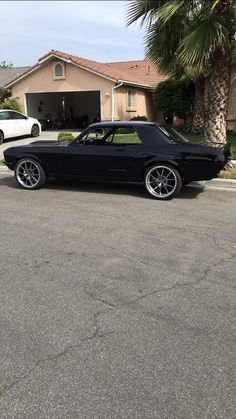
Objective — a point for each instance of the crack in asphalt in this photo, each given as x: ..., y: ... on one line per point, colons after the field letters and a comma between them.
x: 96, y: 298
x: 111, y: 306
x: 55, y: 357
x: 177, y: 284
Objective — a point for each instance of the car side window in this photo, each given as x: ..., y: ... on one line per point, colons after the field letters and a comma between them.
x: 125, y: 136
x: 4, y: 116
x: 94, y: 136
x: 15, y: 115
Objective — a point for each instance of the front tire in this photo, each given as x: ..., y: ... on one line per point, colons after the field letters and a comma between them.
x: 35, y: 131
x: 29, y: 174
x: 162, y: 181
x: 1, y: 137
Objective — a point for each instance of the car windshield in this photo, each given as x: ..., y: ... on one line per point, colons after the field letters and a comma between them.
x: 173, y: 135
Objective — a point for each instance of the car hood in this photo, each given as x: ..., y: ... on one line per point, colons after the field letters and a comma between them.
x: 45, y: 143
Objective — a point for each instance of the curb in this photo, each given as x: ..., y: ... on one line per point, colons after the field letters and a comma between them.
x: 216, y: 183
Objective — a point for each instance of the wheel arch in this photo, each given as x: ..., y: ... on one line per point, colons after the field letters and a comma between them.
x: 30, y: 156
x: 1, y: 131
x: 154, y: 162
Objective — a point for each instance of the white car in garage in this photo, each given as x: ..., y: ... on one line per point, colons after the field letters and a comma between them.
x: 15, y: 124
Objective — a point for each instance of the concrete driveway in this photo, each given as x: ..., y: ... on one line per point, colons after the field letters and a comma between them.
x: 114, y: 305
x: 45, y: 135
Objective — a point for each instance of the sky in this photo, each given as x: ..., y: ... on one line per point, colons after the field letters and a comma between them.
x: 90, y: 29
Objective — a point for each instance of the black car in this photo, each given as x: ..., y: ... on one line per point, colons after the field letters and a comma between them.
x: 119, y: 152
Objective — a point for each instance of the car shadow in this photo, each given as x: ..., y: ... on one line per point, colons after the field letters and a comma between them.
x: 137, y: 190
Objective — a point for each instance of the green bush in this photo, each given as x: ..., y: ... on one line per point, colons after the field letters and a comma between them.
x: 174, y: 98
x: 65, y: 136
x: 11, y: 103
x: 4, y: 94
x: 139, y: 118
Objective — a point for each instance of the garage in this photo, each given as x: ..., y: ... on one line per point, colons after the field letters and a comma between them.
x: 64, y: 110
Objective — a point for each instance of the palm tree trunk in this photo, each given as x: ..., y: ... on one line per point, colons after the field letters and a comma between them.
x: 198, y: 123
x: 216, y: 96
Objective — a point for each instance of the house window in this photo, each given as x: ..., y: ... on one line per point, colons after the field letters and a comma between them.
x: 131, y: 100
x: 58, y: 71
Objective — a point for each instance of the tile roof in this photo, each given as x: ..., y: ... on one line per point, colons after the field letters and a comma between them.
x: 141, y: 72
x: 10, y: 73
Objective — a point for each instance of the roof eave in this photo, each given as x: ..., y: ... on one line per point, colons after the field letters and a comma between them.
x: 132, y: 83
x: 42, y: 61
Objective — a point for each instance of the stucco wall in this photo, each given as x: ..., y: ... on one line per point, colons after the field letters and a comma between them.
x: 144, y: 105
x: 76, y: 79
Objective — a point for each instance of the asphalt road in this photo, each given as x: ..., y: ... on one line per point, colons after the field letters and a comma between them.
x: 116, y: 306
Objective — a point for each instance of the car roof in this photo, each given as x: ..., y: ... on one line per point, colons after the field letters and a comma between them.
x: 121, y: 124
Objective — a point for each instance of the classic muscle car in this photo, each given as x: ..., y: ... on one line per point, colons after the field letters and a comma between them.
x: 118, y: 152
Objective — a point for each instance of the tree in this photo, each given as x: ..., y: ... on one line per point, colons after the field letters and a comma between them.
x: 4, y: 64
x: 196, y: 36
x: 4, y: 94
x: 174, y: 98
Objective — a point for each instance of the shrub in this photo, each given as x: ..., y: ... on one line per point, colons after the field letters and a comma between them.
x: 139, y: 118
x: 11, y: 103
x: 174, y: 98
x: 65, y: 136
x: 4, y: 94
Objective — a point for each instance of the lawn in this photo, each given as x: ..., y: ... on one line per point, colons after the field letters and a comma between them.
x: 195, y: 138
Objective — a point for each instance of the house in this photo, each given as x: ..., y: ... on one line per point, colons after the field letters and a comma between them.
x: 63, y: 87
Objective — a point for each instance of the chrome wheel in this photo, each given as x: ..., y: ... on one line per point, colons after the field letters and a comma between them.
x: 29, y: 174
x: 162, y: 182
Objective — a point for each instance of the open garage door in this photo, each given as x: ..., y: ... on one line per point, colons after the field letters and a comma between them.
x: 64, y: 110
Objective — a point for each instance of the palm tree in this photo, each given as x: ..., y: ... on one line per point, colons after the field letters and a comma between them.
x: 195, y: 36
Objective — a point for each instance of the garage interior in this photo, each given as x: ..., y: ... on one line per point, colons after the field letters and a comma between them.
x: 64, y: 110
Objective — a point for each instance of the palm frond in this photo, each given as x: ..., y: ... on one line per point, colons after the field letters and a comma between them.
x: 169, y: 9
x: 164, y: 57
x: 195, y: 48
x: 143, y: 10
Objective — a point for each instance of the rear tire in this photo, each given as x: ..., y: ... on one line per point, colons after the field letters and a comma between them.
x: 162, y: 181
x: 1, y: 137
x: 30, y: 174
x: 35, y: 131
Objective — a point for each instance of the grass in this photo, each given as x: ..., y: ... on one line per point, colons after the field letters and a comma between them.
x: 2, y: 163
x: 196, y: 138
x: 224, y: 174
x: 228, y: 174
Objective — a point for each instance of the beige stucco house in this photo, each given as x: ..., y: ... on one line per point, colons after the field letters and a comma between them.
x: 63, y: 85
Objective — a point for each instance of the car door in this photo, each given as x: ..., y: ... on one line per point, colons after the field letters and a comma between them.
x: 19, y: 123
x: 121, y: 154
x: 6, y: 124
x: 113, y: 156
